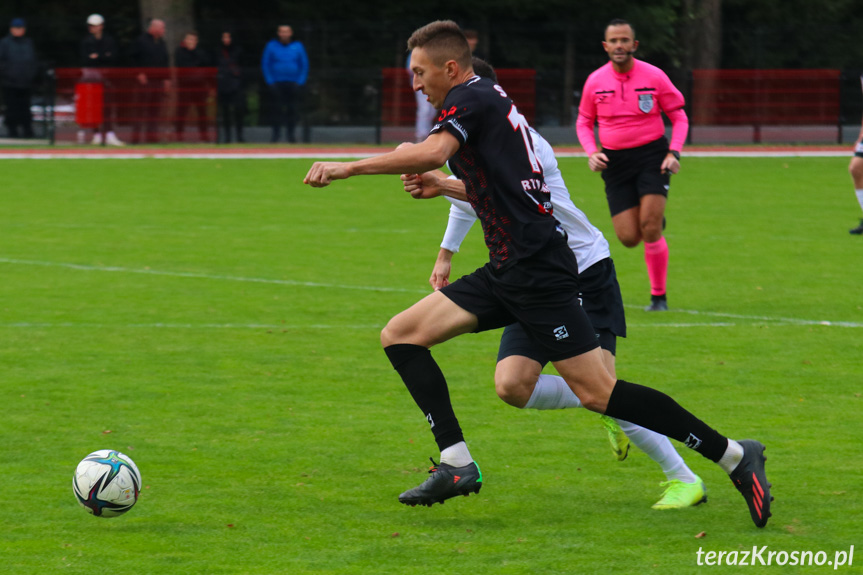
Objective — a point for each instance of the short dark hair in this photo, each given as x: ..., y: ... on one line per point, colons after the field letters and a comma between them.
x: 483, y: 69
x: 620, y: 22
x: 443, y: 40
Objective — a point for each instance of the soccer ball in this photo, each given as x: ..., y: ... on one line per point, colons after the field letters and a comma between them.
x: 107, y: 483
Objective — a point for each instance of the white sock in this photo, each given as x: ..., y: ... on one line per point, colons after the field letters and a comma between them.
x: 456, y: 455
x: 860, y: 197
x: 552, y: 392
x: 732, y: 456
x: 659, y: 449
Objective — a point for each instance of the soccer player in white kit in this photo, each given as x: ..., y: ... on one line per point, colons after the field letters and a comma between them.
x: 518, y: 378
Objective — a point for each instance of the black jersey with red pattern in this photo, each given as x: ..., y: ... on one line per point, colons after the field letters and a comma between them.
x: 502, y: 176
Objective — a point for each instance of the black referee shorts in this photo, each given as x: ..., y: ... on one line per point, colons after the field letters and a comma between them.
x: 601, y: 300
x: 634, y: 173
x: 540, y: 293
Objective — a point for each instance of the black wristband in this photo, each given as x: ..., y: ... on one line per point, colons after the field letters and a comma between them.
x: 676, y: 154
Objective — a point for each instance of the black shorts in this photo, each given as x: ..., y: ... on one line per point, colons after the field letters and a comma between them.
x: 634, y: 173
x: 540, y: 293
x: 601, y: 300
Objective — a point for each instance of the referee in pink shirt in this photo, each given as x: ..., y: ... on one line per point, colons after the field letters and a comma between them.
x: 626, y: 97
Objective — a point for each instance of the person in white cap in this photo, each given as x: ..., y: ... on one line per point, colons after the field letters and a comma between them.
x: 99, y: 50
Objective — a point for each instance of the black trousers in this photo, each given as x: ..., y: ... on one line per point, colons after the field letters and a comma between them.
x: 286, y: 113
x: 19, y: 120
x: 232, y: 107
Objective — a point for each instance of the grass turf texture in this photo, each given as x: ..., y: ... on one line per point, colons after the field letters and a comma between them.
x: 218, y: 322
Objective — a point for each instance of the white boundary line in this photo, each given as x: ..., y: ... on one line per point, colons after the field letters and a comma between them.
x: 204, y: 276
x: 748, y: 319
x: 160, y: 325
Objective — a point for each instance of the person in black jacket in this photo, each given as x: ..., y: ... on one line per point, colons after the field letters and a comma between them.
x: 191, y: 86
x: 231, y: 94
x: 149, y: 51
x: 99, y: 51
x: 18, y: 69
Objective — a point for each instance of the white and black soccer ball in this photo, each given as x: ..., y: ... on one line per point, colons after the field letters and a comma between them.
x: 107, y: 483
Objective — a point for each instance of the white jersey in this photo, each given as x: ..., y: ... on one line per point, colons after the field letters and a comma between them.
x: 586, y: 241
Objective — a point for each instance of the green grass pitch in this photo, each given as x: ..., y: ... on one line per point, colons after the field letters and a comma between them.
x: 218, y: 321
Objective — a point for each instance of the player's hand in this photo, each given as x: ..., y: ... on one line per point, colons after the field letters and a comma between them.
x: 322, y: 173
x: 422, y: 186
x: 442, y: 268
x: 597, y: 161
x: 670, y: 165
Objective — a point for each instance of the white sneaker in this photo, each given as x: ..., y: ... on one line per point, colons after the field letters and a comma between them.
x: 82, y: 136
x: 97, y: 139
x: 112, y: 140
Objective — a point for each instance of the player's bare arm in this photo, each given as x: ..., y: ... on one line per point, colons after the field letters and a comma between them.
x: 420, y: 158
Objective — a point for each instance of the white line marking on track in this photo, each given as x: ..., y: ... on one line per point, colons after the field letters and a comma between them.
x: 352, y: 155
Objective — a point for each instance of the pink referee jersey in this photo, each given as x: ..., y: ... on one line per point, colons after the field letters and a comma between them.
x: 628, y: 108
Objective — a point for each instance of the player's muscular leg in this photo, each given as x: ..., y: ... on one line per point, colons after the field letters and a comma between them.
x: 652, y: 210
x: 514, y: 379
x: 627, y: 226
x: 432, y: 320
x: 855, y: 168
x: 609, y: 360
x: 588, y: 377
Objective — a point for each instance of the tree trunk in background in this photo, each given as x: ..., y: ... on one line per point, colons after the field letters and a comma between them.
x: 179, y: 17
x: 702, y: 41
x: 568, y: 76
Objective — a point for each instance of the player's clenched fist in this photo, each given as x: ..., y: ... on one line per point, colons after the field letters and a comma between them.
x: 322, y: 173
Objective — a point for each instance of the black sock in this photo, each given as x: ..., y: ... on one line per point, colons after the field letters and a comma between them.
x: 427, y: 385
x: 658, y: 412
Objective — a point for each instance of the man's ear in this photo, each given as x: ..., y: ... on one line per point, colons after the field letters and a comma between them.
x: 452, y: 68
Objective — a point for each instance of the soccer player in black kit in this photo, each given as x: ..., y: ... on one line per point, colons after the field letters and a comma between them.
x: 531, y: 277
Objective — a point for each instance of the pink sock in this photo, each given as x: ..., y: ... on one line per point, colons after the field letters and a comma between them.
x: 656, y: 258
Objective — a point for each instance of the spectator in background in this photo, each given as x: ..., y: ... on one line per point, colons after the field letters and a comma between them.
x: 191, y: 87
x: 99, y: 50
x: 149, y: 51
x: 18, y: 69
x: 285, y: 67
x: 473, y: 43
x: 231, y: 96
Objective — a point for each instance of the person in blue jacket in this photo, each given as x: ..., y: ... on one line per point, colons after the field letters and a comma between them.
x: 285, y: 67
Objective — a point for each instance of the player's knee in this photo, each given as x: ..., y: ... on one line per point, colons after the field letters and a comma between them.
x: 651, y: 230
x: 393, y: 333
x: 629, y: 240
x: 511, y: 390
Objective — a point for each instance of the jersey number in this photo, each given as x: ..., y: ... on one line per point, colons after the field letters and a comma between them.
x: 519, y: 123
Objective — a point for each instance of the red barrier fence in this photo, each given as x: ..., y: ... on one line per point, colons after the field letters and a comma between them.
x: 398, y: 104
x: 766, y: 97
x: 139, y: 105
